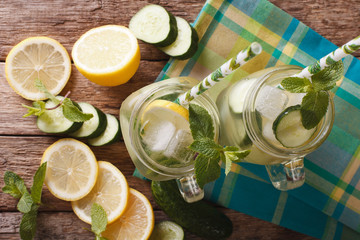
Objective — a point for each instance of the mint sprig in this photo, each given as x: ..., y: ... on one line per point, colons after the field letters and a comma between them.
x: 70, y: 111
x: 207, y: 168
x: 98, y: 221
x: 315, y: 103
x: 28, y: 203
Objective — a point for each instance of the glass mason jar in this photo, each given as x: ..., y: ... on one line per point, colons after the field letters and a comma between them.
x: 248, y: 109
x: 148, y: 162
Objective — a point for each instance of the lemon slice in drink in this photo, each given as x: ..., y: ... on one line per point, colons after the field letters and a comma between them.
x: 37, y: 58
x: 164, y: 107
x: 111, y: 191
x: 108, y: 55
x: 71, y: 169
x: 137, y: 222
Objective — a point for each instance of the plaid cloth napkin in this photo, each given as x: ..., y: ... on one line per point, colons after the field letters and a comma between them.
x: 328, y: 205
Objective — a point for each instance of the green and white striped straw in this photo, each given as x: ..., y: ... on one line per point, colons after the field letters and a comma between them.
x: 333, y: 57
x: 239, y: 60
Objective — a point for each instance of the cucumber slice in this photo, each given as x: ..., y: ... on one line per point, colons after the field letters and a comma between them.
x: 93, y: 127
x: 111, y: 134
x: 288, y: 128
x: 166, y: 230
x: 186, y: 43
x: 54, y: 121
x: 155, y: 25
x: 238, y: 93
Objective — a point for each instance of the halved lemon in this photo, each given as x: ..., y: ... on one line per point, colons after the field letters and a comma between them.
x: 108, y: 55
x: 71, y: 170
x: 40, y: 58
x: 136, y: 223
x: 111, y: 191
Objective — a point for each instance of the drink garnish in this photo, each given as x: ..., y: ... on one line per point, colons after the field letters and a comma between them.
x: 315, y: 103
x: 29, y: 203
x: 98, y: 221
x: 207, y: 168
x: 70, y: 111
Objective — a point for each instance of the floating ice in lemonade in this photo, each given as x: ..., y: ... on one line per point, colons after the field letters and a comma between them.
x: 256, y: 113
x: 157, y: 135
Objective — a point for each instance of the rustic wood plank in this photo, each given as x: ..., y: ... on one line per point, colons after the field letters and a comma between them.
x: 73, y: 18
x: 66, y: 226
x: 108, y: 99
x: 332, y: 19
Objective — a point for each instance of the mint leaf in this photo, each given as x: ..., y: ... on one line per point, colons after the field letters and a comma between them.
x: 25, y: 203
x: 327, y: 78
x: 206, y: 169
x: 313, y: 108
x: 236, y: 156
x: 28, y: 223
x: 98, y: 219
x: 38, y: 182
x: 41, y: 87
x: 73, y: 113
x: 201, y: 124
x: 37, y: 109
x: 233, y: 156
x: 14, y: 185
x: 296, y: 85
x: 207, y: 147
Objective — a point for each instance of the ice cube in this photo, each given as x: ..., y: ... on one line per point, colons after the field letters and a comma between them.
x: 271, y: 101
x: 178, y: 146
x: 157, y: 135
x: 295, y: 98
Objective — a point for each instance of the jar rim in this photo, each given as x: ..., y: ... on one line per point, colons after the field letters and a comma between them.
x: 254, y: 133
x: 134, y: 126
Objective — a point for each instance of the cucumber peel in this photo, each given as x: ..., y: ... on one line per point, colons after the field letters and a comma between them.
x: 289, y: 130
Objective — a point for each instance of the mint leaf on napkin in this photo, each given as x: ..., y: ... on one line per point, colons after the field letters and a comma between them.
x: 98, y: 221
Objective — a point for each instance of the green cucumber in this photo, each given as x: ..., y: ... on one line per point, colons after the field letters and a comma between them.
x: 167, y: 230
x: 111, y: 134
x: 288, y: 128
x: 54, y: 121
x: 93, y: 127
x: 199, y: 217
x: 155, y: 25
x: 186, y: 43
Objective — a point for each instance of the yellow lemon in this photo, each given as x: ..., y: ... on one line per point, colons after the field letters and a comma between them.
x: 108, y: 55
x: 71, y: 170
x: 136, y: 223
x: 40, y: 58
x: 111, y: 191
x: 165, y: 107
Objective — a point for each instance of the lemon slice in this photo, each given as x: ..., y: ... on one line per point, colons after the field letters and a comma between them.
x: 37, y: 58
x: 71, y: 169
x: 107, y: 55
x: 164, y: 107
x: 111, y: 191
x: 137, y: 222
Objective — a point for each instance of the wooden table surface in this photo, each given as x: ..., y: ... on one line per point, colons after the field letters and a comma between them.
x: 22, y: 144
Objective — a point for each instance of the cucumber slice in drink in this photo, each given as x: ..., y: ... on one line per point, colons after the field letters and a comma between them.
x: 155, y: 25
x: 288, y: 128
x: 93, y: 127
x: 54, y: 121
x: 238, y: 93
x: 166, y: 230
x: 111, y: 134
x: 186, y: 43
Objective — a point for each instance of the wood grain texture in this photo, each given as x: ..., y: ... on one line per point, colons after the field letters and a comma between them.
x: 22, y: 144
